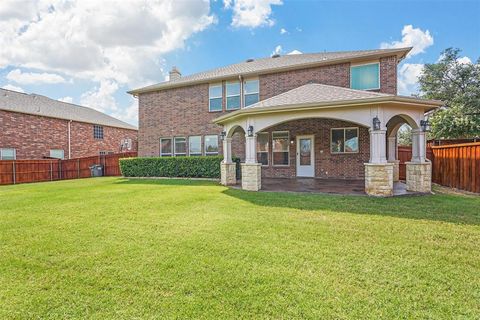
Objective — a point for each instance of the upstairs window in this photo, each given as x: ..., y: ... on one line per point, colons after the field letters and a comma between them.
x: 233, y: 95
x: 56, y: 153
x: 215, y: 97
x: 8, y: 154
x: 166, y: 147
x: 365, y: 77
x: 195, y: 145
x: 180, y: 146
x: 97, y: 132
x: 251, y: 91
x: 211, y: 145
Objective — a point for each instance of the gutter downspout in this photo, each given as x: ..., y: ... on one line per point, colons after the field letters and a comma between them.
x: 69, y: 142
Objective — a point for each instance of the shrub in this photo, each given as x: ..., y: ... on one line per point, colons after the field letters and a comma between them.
x: 188, y: 167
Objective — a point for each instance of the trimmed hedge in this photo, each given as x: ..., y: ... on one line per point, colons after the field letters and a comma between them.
x: 188, y: 167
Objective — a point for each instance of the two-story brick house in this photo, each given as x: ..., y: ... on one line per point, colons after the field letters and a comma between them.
x: 33, y: 126
x: 324, y: 115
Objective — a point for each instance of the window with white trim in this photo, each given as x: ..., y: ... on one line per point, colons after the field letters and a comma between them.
x: 365, y: 77
x: 215, y: 97
x: 180, y: 145
x: 211, y: 145
x: 233, y: 95
x: 8, y: 154
x: 251, y: 92
x: 344, y: 140
x: 57, y: 153
x: 195, y: 145
x: 280, y: 148
x: 262, y: 148
x: 97, y: 132
x: 166, y: 147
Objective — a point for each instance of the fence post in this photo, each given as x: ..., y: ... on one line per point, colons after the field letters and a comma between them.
x: 51, y: 171
x: 78, y: 168
x: 14, y: 173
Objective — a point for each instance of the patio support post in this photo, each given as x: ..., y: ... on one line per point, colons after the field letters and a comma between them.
x: 251, y: 170
x: 228, y: 174
x: 378, y: 172
x: 419, y: 169
x: 392, y: 157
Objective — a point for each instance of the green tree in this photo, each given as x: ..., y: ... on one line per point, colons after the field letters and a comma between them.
x: 456, y: 83
x: 405, y: 135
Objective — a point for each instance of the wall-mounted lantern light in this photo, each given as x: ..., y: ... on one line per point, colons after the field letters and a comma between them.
x: 425, y: 125
x: 376, y: 123
x: 222, y: 135
x: 250, y: 131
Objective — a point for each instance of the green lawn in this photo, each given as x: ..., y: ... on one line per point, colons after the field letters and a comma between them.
x: 110, y: 248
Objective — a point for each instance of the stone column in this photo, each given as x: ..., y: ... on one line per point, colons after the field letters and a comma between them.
x: 419, y: 176
x: 251, y: 170
x: 392, y: 157
x: 228, y: 174
x: 378, y: 172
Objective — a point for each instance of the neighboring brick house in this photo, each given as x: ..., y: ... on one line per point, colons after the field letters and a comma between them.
x: 305, y: 115
x: 37, y: 127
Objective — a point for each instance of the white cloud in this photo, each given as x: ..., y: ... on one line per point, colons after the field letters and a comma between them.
x: 66, y: 99
x: 251, y: 13
x: 283, y: 31
x: 408, y: 75
x: 101, y: 98
x: 13, y: 88
x: 298, y: 29
x: 295, y: 52
x: 411, y: 37
x: 464, y: 60
x: 278, y: 50
x: 129, y: 114
x: 34, y: 78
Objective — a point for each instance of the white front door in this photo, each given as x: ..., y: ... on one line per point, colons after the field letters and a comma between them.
x: 305, y: 156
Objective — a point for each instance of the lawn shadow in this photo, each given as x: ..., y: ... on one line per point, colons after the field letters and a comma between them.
x: 439, y: 207
x: 168, y: 181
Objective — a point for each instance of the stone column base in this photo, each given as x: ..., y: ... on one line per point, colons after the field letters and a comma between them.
x: 379, y: 179
x: 251, y: 176
x: 228, y: 174
x: 419, y: 176
x: 396, y: 169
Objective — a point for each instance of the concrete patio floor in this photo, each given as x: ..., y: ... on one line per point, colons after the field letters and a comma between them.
x: 332, y: 186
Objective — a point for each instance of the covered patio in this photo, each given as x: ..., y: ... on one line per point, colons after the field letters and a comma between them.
x: 310, y: 120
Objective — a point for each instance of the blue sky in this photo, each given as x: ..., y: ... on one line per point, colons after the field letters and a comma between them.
x: 91, y: 52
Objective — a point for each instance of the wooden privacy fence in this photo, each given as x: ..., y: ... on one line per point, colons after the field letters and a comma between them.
x: 22, y: 171
x: 457, y: 166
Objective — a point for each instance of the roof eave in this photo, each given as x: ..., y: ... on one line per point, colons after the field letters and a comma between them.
x: 400, y: 53
x: 426, y: 104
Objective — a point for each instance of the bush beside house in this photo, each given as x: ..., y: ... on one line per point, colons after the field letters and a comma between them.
x: 186, y: 167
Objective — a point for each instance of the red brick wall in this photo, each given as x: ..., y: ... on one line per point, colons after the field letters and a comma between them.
x: 184, y: 111
x: 327, y: 165
x: 33, y: 136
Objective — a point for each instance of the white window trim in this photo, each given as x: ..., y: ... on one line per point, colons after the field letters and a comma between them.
x: 268, y: 148
x: 166, y: 154
x: 195, y: 154
x: 175, y: 147
x: 365, y: 64
x: 245, y: 93
x: 288, y: 150
x: 344, y: 130
x: 233, y: 95
x: 215, y: 97
x: 205, y: 144
x: 14, y: 153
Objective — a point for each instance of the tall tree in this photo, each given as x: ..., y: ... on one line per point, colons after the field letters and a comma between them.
x: 457, y: 83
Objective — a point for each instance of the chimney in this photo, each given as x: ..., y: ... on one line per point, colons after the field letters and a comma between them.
x: 175, y: 74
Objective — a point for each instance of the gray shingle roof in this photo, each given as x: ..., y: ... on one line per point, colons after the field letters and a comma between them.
x: 316, y: 93
x: 40, y: 105
x: 266, y: 65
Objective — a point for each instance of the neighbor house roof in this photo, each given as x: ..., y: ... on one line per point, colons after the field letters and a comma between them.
x: 320, y: 95
x: 254, y: 67
x: 42, y: 106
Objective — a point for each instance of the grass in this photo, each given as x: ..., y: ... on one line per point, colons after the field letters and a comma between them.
x: 110, y: 248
